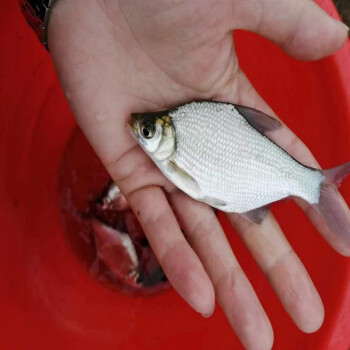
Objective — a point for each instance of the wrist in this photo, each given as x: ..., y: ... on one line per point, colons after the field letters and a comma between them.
x: 37, y: 13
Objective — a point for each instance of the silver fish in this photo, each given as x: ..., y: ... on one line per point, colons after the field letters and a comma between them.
x: 220, y: 154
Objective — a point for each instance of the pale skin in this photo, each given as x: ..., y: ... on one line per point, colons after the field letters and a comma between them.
x: 115, y: 57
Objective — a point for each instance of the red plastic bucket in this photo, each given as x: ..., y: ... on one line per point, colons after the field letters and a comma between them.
x: 48, y: 299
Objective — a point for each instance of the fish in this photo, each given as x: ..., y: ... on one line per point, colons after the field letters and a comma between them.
x: 121, y: 243
x: 221, y: 154
x: 116, y: 249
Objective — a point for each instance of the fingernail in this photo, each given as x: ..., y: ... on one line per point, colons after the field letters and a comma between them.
x: 346, y: 27
x: 208, y: 315
x: 342, y: 23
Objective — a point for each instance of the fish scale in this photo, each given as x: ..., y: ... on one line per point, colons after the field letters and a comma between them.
x: 234, y: 163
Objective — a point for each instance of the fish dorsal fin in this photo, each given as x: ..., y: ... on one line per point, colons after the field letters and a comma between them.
x: 258, y: 120
x: 184, y: 180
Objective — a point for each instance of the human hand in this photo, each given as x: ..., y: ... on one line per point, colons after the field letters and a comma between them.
x: 114, y: 57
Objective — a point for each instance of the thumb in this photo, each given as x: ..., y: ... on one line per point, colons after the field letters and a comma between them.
x: 300, y: 27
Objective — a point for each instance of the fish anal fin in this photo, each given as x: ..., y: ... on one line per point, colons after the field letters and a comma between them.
x: 215, y: 203
x: 258, y: 120
x: 256, y: 215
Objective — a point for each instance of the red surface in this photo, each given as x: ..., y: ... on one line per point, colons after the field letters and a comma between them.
x: 47, y: 298
x: 82, y: 182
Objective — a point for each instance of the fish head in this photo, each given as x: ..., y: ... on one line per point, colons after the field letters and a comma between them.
x: 155, y: 133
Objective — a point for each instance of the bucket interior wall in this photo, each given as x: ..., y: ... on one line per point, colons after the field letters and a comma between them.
x: 48, y: 299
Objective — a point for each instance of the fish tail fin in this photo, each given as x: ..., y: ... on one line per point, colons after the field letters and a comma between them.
x: 332, y: 205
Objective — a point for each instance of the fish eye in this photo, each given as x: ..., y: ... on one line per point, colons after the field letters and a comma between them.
x: 147, y: 130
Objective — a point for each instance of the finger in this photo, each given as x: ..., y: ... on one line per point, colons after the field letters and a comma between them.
x: 299, y: 27
x: 233, y: 290
x: 180, y: 264
x: 286, y: 139
x: 283, y: 269
x: 139, y: 180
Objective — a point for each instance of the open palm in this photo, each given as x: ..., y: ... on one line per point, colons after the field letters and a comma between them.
x: 115, y: 57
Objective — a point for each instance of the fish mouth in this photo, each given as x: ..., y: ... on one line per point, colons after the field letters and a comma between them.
x: 135, y: 121
x: 151, y: 116
x: 134, y: 125
x: 135, y: 117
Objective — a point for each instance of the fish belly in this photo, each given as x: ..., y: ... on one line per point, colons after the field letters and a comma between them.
x: 234, y: 164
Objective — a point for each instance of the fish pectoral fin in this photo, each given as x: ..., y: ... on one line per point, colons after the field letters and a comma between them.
x: 184, y: 180
x: 256, y: 215
x: 259, y: 120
